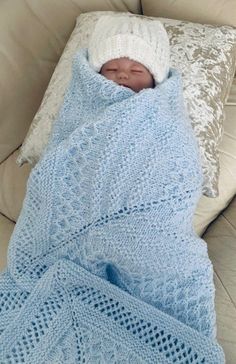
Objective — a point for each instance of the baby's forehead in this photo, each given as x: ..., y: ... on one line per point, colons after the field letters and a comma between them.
x: 124, y: 60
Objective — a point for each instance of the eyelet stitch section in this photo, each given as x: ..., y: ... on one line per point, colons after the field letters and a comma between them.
x: 143, y: 330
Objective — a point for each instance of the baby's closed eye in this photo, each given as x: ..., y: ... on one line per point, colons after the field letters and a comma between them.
x: 111, y: 69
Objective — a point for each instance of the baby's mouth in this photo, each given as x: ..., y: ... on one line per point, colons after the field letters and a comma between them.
x: 122, y: 84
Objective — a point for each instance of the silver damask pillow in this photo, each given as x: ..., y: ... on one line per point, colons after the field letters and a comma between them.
x: 205, y: 55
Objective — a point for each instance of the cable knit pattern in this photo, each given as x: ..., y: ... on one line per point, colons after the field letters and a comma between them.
x: 104, y: 265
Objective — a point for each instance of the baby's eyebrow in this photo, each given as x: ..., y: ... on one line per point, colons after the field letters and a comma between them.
x: 134, y: 64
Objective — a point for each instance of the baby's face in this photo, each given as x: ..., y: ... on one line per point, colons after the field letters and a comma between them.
x: 128, y: 73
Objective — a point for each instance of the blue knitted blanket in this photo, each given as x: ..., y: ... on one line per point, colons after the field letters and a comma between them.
x: 104, y: 265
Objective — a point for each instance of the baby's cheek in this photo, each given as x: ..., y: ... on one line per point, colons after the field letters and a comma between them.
x: 107, y: 75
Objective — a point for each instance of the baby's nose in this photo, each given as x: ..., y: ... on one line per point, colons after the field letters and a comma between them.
x: 123, y: 75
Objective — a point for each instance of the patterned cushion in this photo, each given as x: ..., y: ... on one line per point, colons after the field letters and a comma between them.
x: 205, y: 54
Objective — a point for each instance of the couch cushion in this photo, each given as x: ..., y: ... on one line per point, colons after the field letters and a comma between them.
x: 32, y: 36
x: 202, y: 11
x: 226, y: 320
x: 221, y: 241
x: 13, y: 186
x: 6, y: 228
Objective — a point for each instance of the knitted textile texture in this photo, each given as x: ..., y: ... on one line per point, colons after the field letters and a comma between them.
x: 104, y: 265
x: 132, y: 37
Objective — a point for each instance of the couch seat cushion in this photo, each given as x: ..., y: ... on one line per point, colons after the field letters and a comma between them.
x: 6, y: 228
x: 221, y: 240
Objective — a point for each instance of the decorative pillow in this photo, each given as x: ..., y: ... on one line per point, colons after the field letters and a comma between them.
x: 209, y: 208
x: 205, y: 54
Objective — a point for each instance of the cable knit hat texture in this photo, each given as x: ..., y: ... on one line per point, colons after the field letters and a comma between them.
x: 143, y: 41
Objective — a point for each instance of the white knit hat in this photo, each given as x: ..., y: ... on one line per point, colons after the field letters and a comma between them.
x: 144, y: 41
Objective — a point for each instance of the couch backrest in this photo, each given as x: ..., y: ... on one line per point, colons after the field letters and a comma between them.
x: 221, y: 12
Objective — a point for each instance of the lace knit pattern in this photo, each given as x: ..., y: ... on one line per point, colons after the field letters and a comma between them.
x: 104, y: 265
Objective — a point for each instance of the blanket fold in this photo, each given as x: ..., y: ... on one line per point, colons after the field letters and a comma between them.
x: 104, y: 265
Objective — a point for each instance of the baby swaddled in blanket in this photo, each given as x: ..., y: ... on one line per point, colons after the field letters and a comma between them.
x: 104, y: 265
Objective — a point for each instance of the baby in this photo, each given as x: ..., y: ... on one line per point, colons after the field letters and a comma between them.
x: 130, y: 51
